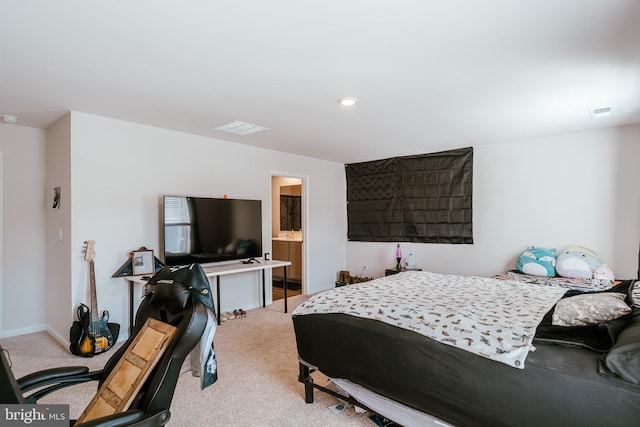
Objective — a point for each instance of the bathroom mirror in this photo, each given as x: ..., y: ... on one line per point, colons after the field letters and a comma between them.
x: 290, y: 207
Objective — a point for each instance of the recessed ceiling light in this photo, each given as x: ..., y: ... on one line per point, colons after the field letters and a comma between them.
x: 347, y: 101
x: 600, y: 112
x: 240, y: 128
x: 7, y: 118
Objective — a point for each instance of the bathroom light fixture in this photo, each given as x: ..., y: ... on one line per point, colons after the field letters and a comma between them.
x: 347, y: 101
x: 7, y: 118
x: 240, y: 128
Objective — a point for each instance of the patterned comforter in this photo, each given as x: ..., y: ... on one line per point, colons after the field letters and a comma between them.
x: 583, y: 285
x: 496, y: 319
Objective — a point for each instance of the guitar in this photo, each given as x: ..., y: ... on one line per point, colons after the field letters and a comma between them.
x: 96, y: 336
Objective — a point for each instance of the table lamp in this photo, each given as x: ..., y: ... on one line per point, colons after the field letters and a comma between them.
x: 398, y: 257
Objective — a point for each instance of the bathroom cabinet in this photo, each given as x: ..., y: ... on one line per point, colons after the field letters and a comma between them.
x: 288, y: 250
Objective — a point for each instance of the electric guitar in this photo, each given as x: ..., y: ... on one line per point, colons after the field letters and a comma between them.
x: 96, y: 336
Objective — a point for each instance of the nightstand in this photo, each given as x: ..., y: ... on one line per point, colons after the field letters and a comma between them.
x: 390, y: 271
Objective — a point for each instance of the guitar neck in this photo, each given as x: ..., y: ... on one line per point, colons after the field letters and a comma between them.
x: 92, y: 287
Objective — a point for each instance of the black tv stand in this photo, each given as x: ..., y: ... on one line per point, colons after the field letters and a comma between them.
x: 250, y: 261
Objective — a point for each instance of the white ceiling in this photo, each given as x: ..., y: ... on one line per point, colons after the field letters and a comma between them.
x: 429, y: 75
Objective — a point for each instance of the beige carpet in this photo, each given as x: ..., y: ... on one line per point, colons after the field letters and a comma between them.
x: 257, y: 371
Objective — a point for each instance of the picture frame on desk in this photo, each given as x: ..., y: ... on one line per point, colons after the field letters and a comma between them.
x: 142, y: 262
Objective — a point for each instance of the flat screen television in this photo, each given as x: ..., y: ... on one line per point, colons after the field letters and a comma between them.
x: 208, y: 230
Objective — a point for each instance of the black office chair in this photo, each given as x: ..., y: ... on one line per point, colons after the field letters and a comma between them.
x: 180, y: 297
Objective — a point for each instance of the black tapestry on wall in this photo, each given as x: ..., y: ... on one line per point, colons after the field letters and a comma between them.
x: 425, y: 198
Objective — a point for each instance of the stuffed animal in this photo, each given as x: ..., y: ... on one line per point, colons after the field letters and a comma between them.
x: 604, y: 273
x: 577, y: 262
x: 537, y: 262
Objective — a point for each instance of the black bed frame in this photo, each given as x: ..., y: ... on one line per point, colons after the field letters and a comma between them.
x: 305, y: 378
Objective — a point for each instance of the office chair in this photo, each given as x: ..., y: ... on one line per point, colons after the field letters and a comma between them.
x: 180, y: 297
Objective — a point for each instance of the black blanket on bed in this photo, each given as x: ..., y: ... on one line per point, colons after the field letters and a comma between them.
x: 598, y: 337
x: 560, y: 385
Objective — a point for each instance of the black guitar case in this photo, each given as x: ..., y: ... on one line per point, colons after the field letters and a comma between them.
x: 75, y: 333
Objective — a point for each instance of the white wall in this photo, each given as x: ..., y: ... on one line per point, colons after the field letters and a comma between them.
x: 566, y: 189
x: 120, y: 170
x: 572, y: 189
x: 23, y: 280
x: 60, y: 307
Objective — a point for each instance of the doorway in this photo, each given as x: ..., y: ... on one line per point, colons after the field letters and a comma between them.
x: 287, y: 234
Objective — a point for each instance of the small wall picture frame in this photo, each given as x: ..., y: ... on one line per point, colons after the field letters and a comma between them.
x: 142, y: 262
x: 56, y: 198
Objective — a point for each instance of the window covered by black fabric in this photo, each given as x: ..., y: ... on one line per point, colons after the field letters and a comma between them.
x: 425, y: 198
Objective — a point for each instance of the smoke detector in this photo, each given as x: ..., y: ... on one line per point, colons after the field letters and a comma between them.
x: 7, y: 118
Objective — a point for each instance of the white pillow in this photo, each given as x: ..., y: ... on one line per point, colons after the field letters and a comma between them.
x: 590, y: 309
x: 635, y: 294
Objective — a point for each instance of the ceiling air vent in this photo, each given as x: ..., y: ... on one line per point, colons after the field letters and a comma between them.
x: 240, y: 128
x: 600, y: 112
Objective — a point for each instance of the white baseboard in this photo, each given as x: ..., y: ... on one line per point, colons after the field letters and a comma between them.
x: 62, y: 340
x: 22, y: 331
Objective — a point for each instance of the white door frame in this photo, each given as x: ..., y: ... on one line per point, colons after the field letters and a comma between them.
x: 2, y: 300
x: 305, y: 218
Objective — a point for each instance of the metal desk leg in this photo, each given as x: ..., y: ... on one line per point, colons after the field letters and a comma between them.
x: 218, y: 295
x: 285, y: 289
x: 131, y: 322
x: 264, y: 294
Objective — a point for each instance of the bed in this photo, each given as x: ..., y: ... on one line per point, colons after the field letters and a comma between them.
x: 417, y: 345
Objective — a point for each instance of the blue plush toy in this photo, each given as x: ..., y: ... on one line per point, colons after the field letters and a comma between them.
x: 537, y: 262
x: 577, y: 262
